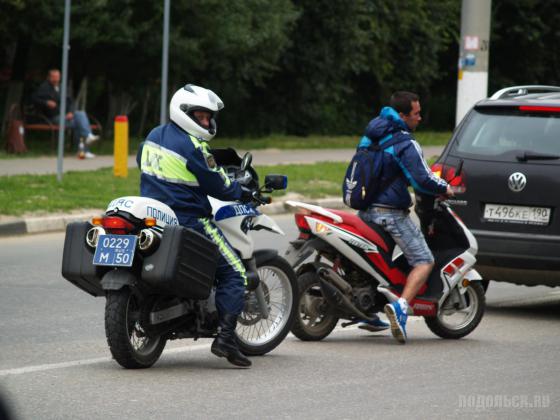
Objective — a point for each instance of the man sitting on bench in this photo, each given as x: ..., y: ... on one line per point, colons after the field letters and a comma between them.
x: 47, y: 101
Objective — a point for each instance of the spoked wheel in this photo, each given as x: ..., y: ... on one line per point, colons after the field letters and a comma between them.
x: 312, y: 322
x: 457, y: 323
x: 130, y: 346
x: 257, y: 335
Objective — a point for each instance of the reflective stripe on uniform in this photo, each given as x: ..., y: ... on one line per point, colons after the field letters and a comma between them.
x: 203, y: 146
x: 228, y: 253
x: 166, y: 165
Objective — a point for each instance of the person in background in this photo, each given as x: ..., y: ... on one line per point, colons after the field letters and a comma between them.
x: 47, y: 100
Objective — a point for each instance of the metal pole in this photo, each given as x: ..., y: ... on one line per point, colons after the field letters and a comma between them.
x: 164, y: 62
x: 472, y: 83
x: 62, y: 118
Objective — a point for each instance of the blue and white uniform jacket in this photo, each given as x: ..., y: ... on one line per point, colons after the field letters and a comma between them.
x: 179, y: 170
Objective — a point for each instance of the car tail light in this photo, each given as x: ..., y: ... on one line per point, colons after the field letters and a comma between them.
x: 447, y: 172
x: 536, y: 108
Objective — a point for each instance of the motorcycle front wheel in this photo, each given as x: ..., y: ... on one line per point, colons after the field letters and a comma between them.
x: 257, y: 335
x: 130, y: 346
x: 457, y: 323
x: 312, y: 322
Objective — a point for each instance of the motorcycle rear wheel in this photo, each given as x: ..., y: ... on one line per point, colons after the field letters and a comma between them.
x: 130, y: 346
x: 256, y: 335
x: 443, y: 326
x: 311, y: 322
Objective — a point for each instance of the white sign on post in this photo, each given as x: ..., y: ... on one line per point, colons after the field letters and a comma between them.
x: 471, y: 43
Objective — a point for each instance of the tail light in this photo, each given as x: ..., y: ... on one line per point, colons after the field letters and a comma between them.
x: 453, y: 266
x: 537, y: 108
x: 303, y: 226
x: 113, y: 224
x: 447, y: 172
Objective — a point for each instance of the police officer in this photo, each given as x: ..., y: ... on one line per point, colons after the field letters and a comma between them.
x: 178, y: 169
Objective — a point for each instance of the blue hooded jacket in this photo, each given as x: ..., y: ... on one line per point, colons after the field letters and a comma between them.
x: 403, y: 162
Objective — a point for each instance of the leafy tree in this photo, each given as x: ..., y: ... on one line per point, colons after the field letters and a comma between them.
x: 523, y: 36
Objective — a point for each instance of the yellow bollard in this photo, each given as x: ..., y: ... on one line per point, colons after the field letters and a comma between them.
x: 121, y: 146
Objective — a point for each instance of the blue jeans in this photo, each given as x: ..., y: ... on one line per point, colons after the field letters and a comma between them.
x: 404, y: 232
x: 79, y: 124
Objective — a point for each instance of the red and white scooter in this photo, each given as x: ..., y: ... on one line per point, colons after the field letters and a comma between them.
x: 357, y: 269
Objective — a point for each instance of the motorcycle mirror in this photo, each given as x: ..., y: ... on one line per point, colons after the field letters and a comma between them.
x: 246, y: 161
x: 276, y: 182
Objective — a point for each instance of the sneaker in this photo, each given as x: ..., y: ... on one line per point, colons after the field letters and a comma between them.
x: 88, y: 155
x: 374, y: 326
x: 91, y: 138
x: 397, y: 318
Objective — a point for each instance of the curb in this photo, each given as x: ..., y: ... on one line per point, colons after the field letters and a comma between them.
x: 57, y: 223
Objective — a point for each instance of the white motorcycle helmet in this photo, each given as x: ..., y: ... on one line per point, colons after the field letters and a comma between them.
x: 195, y: 98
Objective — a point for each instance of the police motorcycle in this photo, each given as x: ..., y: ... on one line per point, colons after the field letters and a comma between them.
x: 158, y: 277
x: 349, y: 270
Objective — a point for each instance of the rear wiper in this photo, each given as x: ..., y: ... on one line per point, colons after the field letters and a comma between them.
x: 535, y: 156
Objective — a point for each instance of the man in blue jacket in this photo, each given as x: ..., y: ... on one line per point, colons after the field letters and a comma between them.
x: 403, y: 165
x: 179, y: 170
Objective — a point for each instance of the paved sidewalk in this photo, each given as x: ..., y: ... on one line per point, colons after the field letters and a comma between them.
x: 10, y: 226
x: 48, y: 165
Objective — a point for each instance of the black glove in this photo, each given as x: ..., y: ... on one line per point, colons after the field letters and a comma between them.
x: 246, y: 195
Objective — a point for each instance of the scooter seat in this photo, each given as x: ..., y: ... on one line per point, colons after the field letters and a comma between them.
x: 375, y: 234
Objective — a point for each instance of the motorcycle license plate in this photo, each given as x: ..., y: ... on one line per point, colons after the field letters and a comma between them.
x: 115, y: 250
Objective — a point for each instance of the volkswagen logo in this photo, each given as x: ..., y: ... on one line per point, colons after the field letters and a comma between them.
x: 517, y: 181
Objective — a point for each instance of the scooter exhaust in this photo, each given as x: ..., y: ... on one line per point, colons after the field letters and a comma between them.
x: 334, y: 296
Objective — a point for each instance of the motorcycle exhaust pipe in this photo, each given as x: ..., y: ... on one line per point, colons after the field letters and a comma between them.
x: 335, y: 297
x: 148, y: 241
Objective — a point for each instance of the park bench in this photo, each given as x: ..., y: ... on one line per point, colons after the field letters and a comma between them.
x: 33, y: 120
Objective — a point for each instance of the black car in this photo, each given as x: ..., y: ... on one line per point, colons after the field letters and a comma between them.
x: 504, y: 157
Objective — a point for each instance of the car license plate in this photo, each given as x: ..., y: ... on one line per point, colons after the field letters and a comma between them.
x: 115, y: 250
x: 517, y: 214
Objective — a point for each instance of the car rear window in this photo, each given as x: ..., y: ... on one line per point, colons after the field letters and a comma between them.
x: 503, y: 133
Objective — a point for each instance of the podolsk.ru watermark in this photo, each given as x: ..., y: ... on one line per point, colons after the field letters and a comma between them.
x: 486, y: 401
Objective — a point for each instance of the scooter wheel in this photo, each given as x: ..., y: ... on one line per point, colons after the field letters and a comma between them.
x: 458, y: 324
x: 312, y: 322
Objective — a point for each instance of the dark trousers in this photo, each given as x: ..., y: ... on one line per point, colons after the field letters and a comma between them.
x: 230, y: 273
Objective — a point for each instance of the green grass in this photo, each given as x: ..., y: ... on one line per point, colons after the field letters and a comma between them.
x: 40, y: 194
x: 39, y: 144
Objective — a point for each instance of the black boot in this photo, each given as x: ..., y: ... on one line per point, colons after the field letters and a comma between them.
x: 224, y: 344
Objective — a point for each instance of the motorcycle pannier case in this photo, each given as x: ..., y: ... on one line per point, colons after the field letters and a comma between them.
x: 77, y: 260
x: 184, y: 264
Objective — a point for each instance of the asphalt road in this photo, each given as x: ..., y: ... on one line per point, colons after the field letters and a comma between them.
x: 54, y: 362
